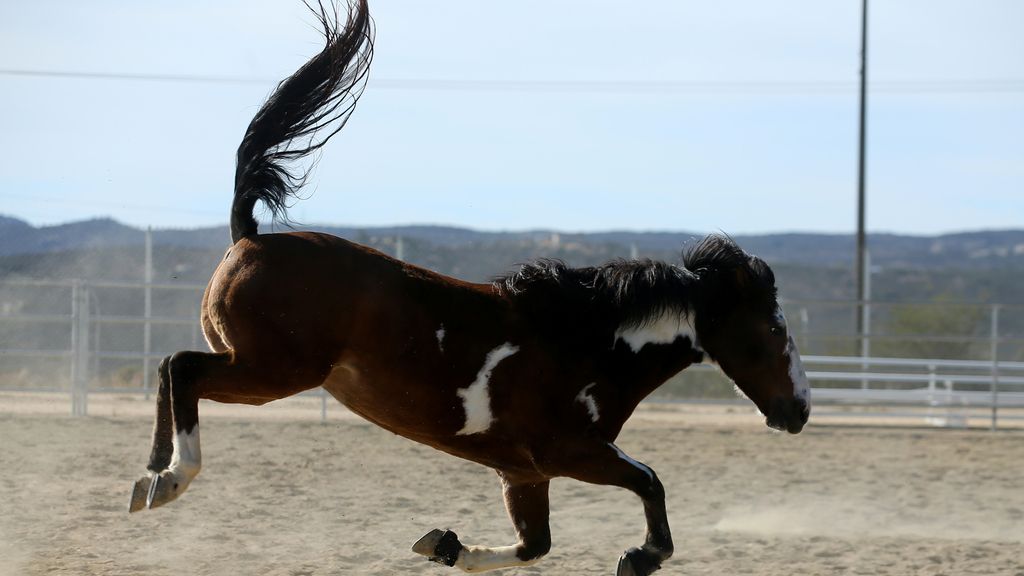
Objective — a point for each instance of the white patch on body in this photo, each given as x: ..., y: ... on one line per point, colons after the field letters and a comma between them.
x: 440, y: 338
x: 480, y: 558
x: 644, y: 469
x: 589, y: 401
x: 476, y: 399
x: 661, y: 330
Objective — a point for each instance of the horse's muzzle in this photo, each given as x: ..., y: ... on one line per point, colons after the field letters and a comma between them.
x: 789, y: 414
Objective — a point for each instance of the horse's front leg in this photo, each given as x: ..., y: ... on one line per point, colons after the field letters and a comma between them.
x: 527, y: 505
x: 598, y: 462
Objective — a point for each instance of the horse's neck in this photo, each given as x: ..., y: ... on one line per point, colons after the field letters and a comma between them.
x: 645, y: 357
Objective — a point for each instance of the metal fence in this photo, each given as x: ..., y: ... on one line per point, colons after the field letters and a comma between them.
x: 80, y: 338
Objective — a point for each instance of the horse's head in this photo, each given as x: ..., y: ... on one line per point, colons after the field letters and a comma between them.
x: 740, y: 326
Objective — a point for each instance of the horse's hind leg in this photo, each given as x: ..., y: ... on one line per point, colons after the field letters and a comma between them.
x: 599, y: 462
x: 527, y: 505
x: 224, y: 378
x: 187, y: 371
x: 163, y: 434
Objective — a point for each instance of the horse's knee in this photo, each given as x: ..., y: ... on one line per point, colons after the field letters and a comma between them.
x: 650, y: 489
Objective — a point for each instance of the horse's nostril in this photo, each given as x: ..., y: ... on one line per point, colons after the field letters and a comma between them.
x: 803, y: 409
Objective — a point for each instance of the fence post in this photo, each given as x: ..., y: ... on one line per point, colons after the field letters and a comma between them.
x: 148, y: 311
x: 995, y: 365
x: 73, y: 380
x: 80, y: 350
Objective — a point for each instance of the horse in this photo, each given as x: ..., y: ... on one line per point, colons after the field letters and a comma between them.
x: 532, y: 375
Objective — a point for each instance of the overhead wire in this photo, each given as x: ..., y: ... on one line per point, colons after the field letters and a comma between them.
x: 934, y: 86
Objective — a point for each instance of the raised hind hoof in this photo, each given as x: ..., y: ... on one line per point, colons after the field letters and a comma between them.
x: 441, y: 546
x: 165, y: 488
x: 140, y: 491
x: 637, y: 562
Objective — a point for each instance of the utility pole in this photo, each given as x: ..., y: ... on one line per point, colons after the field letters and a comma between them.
x: 861, y: 236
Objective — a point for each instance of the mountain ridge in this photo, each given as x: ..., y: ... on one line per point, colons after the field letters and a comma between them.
x: 979, y: 249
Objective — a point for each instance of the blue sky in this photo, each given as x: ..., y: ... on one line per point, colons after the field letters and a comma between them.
x: 738, y: 116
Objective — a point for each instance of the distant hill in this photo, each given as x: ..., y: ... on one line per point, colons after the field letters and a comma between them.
x: 980, y: 250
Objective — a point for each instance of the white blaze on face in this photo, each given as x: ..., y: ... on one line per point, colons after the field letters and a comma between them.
x: 662, y: 330
x: 801, y: 387
x: 476, y: 399
x: 589, y: 401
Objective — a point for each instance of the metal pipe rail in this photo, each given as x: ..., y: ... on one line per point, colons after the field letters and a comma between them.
x: 913, y: 362
x: 943, y: 382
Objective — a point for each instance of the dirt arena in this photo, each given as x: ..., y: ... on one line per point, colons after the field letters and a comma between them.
x: 283, y: 494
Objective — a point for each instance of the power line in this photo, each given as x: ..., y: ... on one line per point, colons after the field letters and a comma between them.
x: 122, y: 205
x: 938, y: 86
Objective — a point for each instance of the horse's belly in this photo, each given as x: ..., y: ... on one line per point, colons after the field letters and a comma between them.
x: 396, y: 402
x: 428, y: 412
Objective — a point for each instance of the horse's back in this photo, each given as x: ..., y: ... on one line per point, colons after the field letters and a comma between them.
x: 320, y: 297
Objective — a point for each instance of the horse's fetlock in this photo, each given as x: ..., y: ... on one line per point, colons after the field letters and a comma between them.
x: 534, y: 549
x: 663, y: 551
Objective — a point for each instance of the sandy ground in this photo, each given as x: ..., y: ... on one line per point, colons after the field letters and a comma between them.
x: 283, y: 494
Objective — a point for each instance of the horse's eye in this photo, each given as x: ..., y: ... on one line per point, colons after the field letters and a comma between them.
x: 776, y: 331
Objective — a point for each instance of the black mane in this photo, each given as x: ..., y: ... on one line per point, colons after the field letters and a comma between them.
x: 632, y: 293
x: 626, y: 293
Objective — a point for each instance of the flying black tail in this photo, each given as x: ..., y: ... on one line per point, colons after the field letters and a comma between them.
x: 300, y: 116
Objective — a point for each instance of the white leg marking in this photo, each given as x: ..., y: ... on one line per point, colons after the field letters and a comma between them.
x: 476, y: 399
x: 661, y: 330
x: 644, y: 469
x: 187, y: 458
x: 480, y: 559
x: 589, y: 401
x: 440, y: 338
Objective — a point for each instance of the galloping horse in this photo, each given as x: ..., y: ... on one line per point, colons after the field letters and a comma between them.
x: 533, y: 375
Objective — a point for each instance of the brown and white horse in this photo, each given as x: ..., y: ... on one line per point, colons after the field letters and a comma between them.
x: 533, y: 375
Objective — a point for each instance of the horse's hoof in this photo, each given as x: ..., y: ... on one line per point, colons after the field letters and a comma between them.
x: 441, y: 546
x: 425, y: 546
x: 164, y: 488
x: 140, y: 492
x: 637, y: 562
